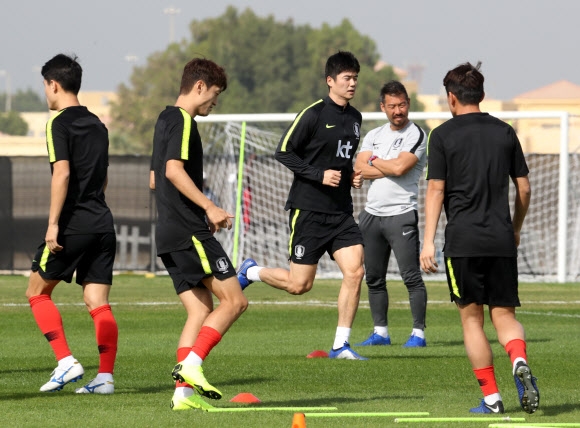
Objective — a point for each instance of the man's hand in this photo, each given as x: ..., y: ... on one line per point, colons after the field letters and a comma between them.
x: 331, y: 178
x: 427, y: 258
x: 357, y: 179
x: 218, y: 218
x: 51, y: 239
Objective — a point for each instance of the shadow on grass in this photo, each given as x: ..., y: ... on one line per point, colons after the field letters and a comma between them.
x: 322, y: 402
x: 555, y: 410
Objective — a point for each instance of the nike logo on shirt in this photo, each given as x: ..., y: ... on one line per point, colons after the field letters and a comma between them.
x: 330, y: 126
x: 406, y: 233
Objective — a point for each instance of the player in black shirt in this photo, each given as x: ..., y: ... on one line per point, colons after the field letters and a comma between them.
x: 471, y: 159
x: 195, y: 260
x: 80, y: 235
x: 319, y: 147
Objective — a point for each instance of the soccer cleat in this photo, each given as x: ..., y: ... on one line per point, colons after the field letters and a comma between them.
x: 415, y: 342
x: 375, y: 340
x: 193, y: 375
x: 345, y: 353
x: 60, y: 377
x: 528, y: 392
x: 483, y: 407
x: 93, y: 387
x: 192, y: 402
x: 243, y: 272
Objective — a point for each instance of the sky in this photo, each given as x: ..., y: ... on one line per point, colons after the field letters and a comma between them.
x: 522, y: 44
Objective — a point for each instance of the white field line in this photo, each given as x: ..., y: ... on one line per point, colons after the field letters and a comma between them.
x: 319, y: 303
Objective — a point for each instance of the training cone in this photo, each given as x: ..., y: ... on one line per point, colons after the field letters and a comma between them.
x: 245, y: 397
x: 318, y: 354
x: 299, y: 420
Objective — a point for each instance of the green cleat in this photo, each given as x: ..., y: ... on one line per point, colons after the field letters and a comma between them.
x: 193, y: 375
x: 192, y: 402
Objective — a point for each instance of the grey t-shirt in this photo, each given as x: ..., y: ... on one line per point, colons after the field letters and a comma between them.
x: 389, y: 196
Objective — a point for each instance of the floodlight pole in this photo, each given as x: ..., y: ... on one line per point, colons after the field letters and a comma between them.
x: 171, y: 11
x: 8, y: 105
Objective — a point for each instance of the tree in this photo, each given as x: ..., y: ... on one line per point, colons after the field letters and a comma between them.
x: 273, y: 67
x: 24, y: 101
x: 12, y: 124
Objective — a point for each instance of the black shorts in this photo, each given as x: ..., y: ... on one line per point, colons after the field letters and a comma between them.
x: 313, y: 233
x: 491, y: 281
x: 91, y: 255
x: 202, y: 260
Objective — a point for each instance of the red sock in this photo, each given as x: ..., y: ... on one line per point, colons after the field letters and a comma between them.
x: 205, y: 342
x: 49, y: 321
x: 516, y: 348
x: 486, y: 379
x: 181, y: 354
x: 107, y: 334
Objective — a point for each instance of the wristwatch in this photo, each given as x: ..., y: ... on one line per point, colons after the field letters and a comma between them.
x: 371, y: 159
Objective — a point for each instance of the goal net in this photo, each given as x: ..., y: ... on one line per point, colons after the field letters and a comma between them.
x: 241, y: 171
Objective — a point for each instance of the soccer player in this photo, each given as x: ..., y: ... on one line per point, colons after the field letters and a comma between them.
x: 393, y: 157
x: 471, y: 159
x: 319, y: 147
x: 80, y: 235
x: 195, y: 260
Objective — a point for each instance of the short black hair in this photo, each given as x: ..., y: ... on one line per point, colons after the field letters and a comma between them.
x: 465, y: 82
x: 393, y: 87
x: 340, y: 62
x: 65, y: 70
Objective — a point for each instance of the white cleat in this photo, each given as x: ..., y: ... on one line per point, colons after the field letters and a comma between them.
x: 60, y: 377
x: 94, y: 387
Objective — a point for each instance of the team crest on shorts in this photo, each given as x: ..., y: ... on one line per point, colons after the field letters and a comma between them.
x: 222, y: 264
x: 299, y: 251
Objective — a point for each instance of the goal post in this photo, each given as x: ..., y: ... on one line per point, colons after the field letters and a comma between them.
x: 241, y: 169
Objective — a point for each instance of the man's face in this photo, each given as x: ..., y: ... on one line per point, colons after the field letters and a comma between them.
x: 343, y: 87
x: 208, y: 99
x: 397, y: 109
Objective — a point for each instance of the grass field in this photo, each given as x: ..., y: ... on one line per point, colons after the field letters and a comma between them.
x: 265, y: 354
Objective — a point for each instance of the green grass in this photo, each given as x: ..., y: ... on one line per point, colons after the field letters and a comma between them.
x: 264, y: 353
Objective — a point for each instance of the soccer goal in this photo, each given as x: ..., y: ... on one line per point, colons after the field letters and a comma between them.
x: 241, y: 170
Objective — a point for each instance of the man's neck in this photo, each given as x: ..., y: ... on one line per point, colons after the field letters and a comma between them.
x: 466, y: 109
x: 66, y: 101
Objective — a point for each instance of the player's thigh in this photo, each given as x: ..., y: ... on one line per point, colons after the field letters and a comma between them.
x: 309, y: 237
x: 501, y: 281
x: 377, y: 249
x: 60, y: 265
x: 345, y: 234
x: 302, y: 275
x: 466, y: 280
x: 98, y: 259
x: 404, y: 239
x: 350, y: 260
x: 189, y: 267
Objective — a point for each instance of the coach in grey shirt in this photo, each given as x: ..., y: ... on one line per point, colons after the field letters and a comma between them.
x: 393, y: 157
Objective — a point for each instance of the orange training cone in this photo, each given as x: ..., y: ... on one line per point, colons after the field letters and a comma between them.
x: 245, y: 397
x: 299, y: 420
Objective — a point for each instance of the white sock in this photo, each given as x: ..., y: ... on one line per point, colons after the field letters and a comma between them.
x: 253, y: 273
x: 66, y: 362
x: 382, y: 331
x: 492, y: 398
x: 342, y: 336
x: 420, y: 333
x: 183, y: 391
x: 192, y: 359
x: 104, y: 377
x: 516, y: 361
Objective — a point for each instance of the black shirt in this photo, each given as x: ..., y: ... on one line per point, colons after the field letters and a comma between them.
x: 176, y: 137
x: 476, y: 154
x: 323, y: 136
x: 78, y: 136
